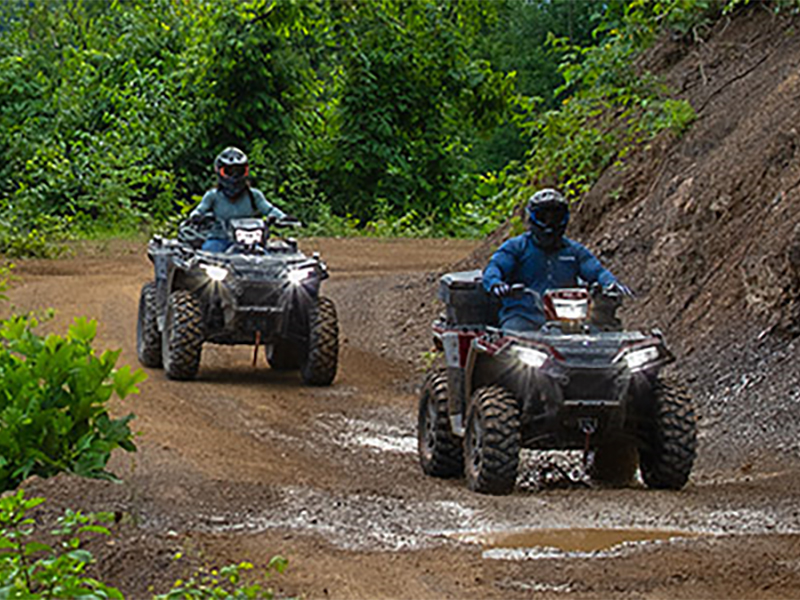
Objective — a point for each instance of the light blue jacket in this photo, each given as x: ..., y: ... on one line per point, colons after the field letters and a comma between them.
x: 250, y: 203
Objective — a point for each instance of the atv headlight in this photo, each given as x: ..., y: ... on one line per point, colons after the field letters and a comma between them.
x: 531, y: 356
x: 215, y: 273
x: 298, y: 276
x: 637, y: 359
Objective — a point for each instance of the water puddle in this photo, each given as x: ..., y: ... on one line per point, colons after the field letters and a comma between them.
x: 549, y: 543
x: 372, y: 435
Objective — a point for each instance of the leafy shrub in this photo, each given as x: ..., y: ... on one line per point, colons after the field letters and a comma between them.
x: 53, y: 396
x: 34, y: 570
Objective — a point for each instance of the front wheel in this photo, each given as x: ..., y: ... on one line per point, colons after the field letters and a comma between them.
x: 440, y: 452
x: 148, y: 338
x: 182, y: 340
x: 492, y: 445
x: 321, y: 360
x: 670, y: 438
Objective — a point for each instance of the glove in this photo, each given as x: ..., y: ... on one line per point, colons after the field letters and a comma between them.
x: 619, y: 288
x: 501, y: 290
x: 195, y: 219
x: 290, y: 220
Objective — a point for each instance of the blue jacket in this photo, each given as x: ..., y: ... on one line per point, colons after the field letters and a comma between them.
x: 521, y: 260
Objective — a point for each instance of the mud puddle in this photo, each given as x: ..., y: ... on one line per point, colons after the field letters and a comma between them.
x: 534, y: 543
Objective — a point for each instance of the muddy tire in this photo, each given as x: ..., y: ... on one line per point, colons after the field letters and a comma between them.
x: 321, y: 360
x: 670, y: 441
x: 614, y: 463
x: 182, y: 339
x: 441, y: 454
x: 492, y: 444
x: 148, y: 338
x: 283, y: 356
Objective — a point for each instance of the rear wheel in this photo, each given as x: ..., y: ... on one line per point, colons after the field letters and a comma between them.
x: 321, y: 360
x: 670, y: 439
x: 148, y: 338
x: 492, y: 445
x: 440, y: 452
x: 182, y: 340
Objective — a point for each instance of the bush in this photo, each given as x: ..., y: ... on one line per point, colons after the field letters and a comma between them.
x: 32, y: 569
x: 53, y: 396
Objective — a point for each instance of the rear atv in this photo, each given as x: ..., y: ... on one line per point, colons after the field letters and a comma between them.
x: 260, y: 292
x: 579, y: 383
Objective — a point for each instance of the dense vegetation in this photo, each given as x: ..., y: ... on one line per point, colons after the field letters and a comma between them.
x: 390, y: 116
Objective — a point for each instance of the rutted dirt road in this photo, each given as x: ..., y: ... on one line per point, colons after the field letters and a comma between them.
x: 246, y: 463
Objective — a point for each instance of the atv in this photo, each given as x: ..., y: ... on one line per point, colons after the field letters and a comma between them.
x: 579, y: 383
x: 260, y: 291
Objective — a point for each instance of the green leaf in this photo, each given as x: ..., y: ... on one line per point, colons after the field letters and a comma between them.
x: 126, y: 381
x: 34, y: 547
x: 83, y: 330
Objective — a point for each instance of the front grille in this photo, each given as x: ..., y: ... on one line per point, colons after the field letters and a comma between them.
x: 255, y: 294
x: 585, y: 384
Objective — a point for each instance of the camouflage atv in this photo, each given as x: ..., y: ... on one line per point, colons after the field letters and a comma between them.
x: 579, y: 383
x: 261, y: 292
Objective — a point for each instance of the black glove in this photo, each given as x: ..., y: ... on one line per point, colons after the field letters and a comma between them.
x: 290, y: 220
x: 619, y: 288
x: 501, y: 290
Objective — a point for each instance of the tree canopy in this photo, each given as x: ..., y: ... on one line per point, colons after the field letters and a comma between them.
x: 413, y: 114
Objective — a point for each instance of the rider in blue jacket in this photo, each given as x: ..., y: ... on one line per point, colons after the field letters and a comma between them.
x: 541, y: 259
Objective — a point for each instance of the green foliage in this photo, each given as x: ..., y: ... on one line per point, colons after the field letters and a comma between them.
x: 53, y: 396
x: 380, y: 115
x: 32, y: 569
x: 608, y: 109
x: 408, y: 90
x: 226, y: 582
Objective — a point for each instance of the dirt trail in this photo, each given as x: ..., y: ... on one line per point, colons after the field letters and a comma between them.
x: 247, y: 463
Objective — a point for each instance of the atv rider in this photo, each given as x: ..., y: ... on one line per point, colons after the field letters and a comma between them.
x: 541, y: 259
x: 233, y: 198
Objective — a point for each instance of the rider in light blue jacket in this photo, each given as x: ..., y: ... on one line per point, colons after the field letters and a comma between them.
x: 233, y: 198
x: 541, y: 259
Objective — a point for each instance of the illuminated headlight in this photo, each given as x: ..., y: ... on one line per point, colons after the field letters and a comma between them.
x: 215, y: 273
x: 636, y: 359
x: 531, y: 357
x: 298, y: 276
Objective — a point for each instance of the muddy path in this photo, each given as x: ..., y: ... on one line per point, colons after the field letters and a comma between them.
x: 246, y: 463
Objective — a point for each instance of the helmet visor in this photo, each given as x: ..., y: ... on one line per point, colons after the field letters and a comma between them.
x: 550, y: 216
x: 233, y: 171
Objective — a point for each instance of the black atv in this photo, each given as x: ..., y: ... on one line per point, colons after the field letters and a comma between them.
x: 260, y: 291
x: 579, y: 383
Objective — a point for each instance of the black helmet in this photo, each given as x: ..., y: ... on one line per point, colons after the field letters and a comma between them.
x: 548, y: 215
x: 232, y: 170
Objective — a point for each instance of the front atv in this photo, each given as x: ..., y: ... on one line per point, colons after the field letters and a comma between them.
x: 579, y: 383
x: 261, y: 292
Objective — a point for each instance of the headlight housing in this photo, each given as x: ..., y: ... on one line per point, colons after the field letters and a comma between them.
x: 640, y: 358
x: 532, y: 357
x: 215, y: 272
x: 298, y: 276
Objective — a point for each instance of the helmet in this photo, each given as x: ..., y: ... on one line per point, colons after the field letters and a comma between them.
x: 548, y: 215
x: 232, y: 170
